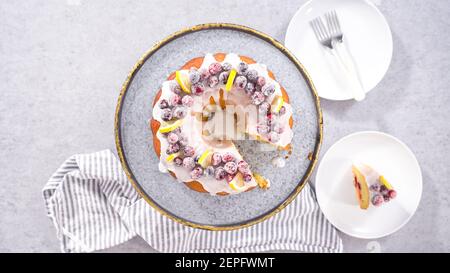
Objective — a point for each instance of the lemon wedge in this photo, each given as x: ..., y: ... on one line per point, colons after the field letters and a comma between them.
x: 170, y: 127
x: 171, y: 157
x: 183, y: 80
x: 277, y: 103
x: 385, y: 183
x: 262, y: 182
x: 230, y: 80
x: 237, y: 183
x: 203, y: 160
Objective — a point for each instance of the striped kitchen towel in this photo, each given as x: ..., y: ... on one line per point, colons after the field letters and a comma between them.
x: 93, y: 207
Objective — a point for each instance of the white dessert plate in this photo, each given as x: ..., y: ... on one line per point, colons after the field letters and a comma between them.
x: 336, y: 194
x: 366, y: 33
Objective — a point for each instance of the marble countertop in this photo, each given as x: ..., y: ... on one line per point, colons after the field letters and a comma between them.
x: 63, y: 63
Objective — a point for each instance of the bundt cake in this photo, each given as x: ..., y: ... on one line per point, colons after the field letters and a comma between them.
x: 206, y: 105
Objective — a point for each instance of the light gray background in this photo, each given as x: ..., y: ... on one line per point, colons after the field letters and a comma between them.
x: 62, y: 64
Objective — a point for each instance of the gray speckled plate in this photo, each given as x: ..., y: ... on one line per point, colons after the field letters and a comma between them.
x: 175, y: 200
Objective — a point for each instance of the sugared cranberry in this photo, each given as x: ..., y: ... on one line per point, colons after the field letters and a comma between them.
x: 194, y: 76
x: 189, y: 151
x: 163, y: 104
x: 386, y: 198
x: 216, y: 159
x: 240, y: 82
x: 257, y: 98
x: 247, y: 177
x: 242, y: 67
x: 375, y: 187
x: 187, y: 101
x: 226, y: 66
x: 264, y: 108
x: 282, y: 111
x: 183, y: 142
x: 204, y: 74
x: 230, y: 167
x: 270, y: 118
x: 392, y: 194
x: 197, y: 89
x: 220, y: 173
x: 172, y: 137
x: 196, y: 172
x: 179, y: 112
x: 252, y: 75
x: 383, y: 190
x: 377, y: 200
x: 261, y: 81
x: 223, y: 77
x: 178, y: 161
x: 173, y: 148
x: 273, y: 137
x: 268, y: 89
x: 175, y: 99
x: 175, y: 87
x: 215, y: 68
x: 242, y: 166
x: 227, y: 157
x: 189, y: 163
x: 209, y: 171
x: 166, y: 114
x: 250, y: 88
x: 181, y: 135
x: 213, y: 81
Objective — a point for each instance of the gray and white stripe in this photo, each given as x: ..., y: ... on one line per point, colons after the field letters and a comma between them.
x: 93, y: 207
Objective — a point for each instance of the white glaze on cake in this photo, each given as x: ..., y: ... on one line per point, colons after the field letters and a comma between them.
x: 192, y: 127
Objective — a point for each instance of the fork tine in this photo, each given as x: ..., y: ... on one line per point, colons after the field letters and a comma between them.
x: 321, y: 32
x: 331, y: 25
x: 317, y: 30
x: 335, y: 20
x: 327, y: 20
x: 338, y: 25
x: 322, y: 28
x: 313, y: 25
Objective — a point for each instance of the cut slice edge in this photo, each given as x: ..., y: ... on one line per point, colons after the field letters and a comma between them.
x: 361, y: 188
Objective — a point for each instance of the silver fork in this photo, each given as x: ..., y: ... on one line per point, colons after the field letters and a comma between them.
x: 338, y: 36
x: 331, y: 37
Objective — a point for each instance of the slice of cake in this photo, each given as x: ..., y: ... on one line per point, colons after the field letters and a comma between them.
x: 371, y: 186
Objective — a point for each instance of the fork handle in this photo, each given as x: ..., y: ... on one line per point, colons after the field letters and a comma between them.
x: 341, y: 51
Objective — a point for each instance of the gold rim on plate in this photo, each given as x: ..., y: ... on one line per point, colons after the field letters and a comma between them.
x: 165, y: 41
